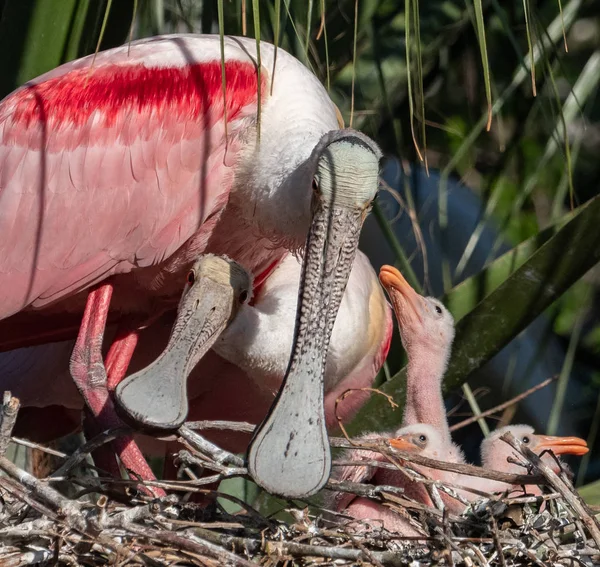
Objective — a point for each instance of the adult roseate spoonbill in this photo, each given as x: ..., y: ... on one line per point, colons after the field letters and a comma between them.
x: 422, y: 438
x: 118, y: 174
x: 157, y: 395
x: 427, y: 331
x: 498, y: 455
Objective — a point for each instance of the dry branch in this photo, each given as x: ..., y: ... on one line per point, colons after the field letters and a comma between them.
x: 8, y: 417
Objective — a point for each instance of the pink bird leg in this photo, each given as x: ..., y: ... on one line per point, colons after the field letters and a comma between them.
x: 119, y: 356
x: 90, y: 376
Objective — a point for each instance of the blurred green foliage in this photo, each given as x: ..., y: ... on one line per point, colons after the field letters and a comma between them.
x: 38, y: 35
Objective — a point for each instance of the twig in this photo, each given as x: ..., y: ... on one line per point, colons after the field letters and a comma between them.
x: 497, y: 543
x: 81, y: 452
x: 429, y: 510
x: 538, y: 499
x: 224, y: 471
x: 349, y: 391
x: 243, y: 426
x: 68, y: 511
x: 300, y: 549
x: 33, y: 557
x: 8, y: 417
x: 31, y: 528
x: 39, y: 447
x: 469, y: 470
x: 503, y: 406
x: 63, y: 506
x: 361, y: 489
x: 217, y: 454
x: 191, y: 543
x: 19, y: 492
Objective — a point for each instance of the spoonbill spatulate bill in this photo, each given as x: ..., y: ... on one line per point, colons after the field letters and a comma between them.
x: 156, y: 396
x: 117, y: 172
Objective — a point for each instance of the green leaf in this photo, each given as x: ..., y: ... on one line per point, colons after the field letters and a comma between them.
x: 480, y: 24
x: 560, y: 260
x: 39, y: 35
x: 256, y: 15
x: 591, y: 493
x: 33, y: 36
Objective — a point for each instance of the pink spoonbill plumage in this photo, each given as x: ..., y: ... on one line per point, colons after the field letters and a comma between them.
x: 424, y: 439
x: 427, y: 331
x: 117, y: 172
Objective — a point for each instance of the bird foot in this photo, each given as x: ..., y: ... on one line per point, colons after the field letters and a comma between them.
x: 90, y: 375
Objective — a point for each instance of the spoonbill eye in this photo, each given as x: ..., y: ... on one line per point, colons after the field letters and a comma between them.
x: 191, y: 277
x: 243, y: 296
x: 423, y: 438
x: 525, y: 439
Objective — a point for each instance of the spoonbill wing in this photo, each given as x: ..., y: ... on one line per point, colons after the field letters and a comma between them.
x: 112, y: 165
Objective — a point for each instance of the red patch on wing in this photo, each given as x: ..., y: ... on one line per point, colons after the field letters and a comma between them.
x: 114, y: 90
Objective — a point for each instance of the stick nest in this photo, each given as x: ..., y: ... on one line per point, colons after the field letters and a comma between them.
x: 115, y: 521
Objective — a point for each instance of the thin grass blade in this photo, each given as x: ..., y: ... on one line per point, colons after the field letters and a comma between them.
x: 256, y: 16
x: 563, y: 379
x: 324, y: 26
x: 102, y: 30
x: 527, y: 12
x: 354, y: 60
x: 275, y: 39
x: 484, y: 58
x: 221, y: 18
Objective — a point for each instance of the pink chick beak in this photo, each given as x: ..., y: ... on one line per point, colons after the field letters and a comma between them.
x: 562, y: 445
x: 403, y: 444
x: 401, y: 294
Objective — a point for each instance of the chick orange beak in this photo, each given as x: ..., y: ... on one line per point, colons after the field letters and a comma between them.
x: 562, y: 445
x: 403, y: 444
x: 400, y: 293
